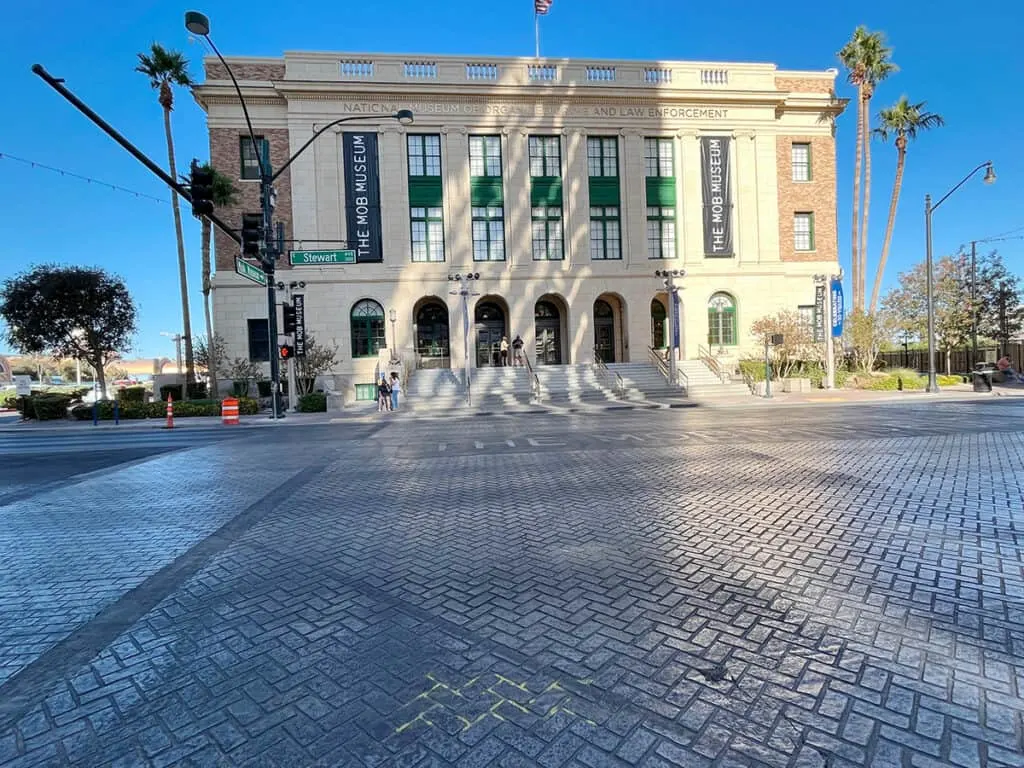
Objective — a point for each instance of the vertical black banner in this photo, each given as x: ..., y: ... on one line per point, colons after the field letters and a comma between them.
x: 362, y: 195
x: 819, y: 313
x: 717, y: 192
x: 299, y: 302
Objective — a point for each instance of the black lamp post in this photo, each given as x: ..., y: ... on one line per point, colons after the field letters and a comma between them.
x: 668, y: 277
x: 198, y: 24
x: 990, y: 177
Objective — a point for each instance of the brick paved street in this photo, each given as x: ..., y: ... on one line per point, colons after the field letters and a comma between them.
x: 795, y: 587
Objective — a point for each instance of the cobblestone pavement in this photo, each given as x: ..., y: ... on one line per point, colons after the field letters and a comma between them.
x: 667, y: 588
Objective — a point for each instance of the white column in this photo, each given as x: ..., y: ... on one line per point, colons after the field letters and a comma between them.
x: 634, y: 201
x: 458, y: 243
x: 394, y: 196
x: 766, y: 170
x: 576, y: 198
x: 692, y: 212
x: 305, y: 184
x: 515, y: 170
x: 745, y: 203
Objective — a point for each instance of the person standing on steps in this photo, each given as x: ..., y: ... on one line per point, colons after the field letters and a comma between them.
x: 517, y: 351
x: 504, y: 350
x: 396, y: 387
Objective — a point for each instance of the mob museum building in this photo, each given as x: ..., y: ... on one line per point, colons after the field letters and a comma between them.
x: 561, y: 186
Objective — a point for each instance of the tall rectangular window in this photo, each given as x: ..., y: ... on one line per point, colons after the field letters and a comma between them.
x: 602, y: 156
x: 427, y: 234
x: 250, y: 160
x: 545, y: 156
x: 661, y: 233
x: 485, y: 156
x: 803, y: 231
x: 547, y: 233
x: 659, y: 158
x: 801, y: 157
x: 605, y: 239
x: 424, y: 155
x: 259, y: 340
x: 488, y: 233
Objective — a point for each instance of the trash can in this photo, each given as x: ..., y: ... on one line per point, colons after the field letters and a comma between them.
x: 982, y: 381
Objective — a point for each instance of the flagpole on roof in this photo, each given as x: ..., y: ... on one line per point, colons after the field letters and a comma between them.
x: 536, y: 33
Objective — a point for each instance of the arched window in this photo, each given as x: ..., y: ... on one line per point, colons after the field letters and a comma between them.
x: 721, y: 320
x: 368, y: 332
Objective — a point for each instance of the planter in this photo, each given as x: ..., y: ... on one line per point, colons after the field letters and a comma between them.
x: 796, y: 385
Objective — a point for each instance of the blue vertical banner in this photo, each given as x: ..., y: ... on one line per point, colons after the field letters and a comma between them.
x: 675, y: 320
x: 838, y: 311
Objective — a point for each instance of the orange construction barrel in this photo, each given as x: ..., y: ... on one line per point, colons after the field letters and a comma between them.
x: 229, y: 410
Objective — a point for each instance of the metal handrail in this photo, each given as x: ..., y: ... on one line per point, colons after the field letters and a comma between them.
x: 534, y: 378
x: 682, y: 380
x: 704, y: 353
x: 618, y: 385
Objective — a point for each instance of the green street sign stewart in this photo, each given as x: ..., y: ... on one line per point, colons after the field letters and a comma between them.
x: 250, y: 271
x: 320, y: 258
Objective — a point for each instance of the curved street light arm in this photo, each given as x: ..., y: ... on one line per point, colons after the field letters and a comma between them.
x: 313, y: 138
x: 986, y: 164
x: 245, y: 109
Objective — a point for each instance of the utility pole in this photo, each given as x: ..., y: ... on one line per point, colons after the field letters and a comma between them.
x: 668, y: 277
x: 464, y: 292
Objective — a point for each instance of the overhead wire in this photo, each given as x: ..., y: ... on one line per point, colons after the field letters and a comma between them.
x: 88, y: 179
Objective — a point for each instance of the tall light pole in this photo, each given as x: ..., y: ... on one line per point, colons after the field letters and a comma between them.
x: 929, y: 209
x: 176, y: 338
x: 393, y: 314
x: 198, y: 24
x: 464, y: 291
x: 669, y: 281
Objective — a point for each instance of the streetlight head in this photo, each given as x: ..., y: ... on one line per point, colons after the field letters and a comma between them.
x: 394, y: 315
x: 197, y: 23
x: 458, y: 276
x: 404, y: 116
x: 476, y: 275
x: 990, y: 175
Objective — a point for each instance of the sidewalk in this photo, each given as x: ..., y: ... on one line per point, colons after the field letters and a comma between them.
x: 11, y: 422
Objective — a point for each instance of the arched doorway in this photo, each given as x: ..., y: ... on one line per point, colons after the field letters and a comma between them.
x: 604, y: 331
x: 432, y: 334
x: 659, y: 324
x: 490, y: 327
x: 548, y: 329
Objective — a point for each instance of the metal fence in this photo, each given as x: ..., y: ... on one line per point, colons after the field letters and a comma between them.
x: 958, y: 361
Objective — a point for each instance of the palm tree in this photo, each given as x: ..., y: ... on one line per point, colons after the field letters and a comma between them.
x: 164, y: 69
x: 867, y: 58
x: 903, y: 120
x: 223, y: 194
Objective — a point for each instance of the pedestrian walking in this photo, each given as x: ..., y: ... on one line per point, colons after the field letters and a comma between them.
x: 517, y: 351
x: 383, y: 395
x: 504, y: 350
x: 396, y: 388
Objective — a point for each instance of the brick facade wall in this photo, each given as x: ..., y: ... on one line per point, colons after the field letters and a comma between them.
x: 817, y: 196
x: 226, y: 157
x: 252, y: 71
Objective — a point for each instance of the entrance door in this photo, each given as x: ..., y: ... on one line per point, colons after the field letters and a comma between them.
x: 548, y: 329
x: 432, y: 336
x: 490, y: 327
x: 604, y: 331
x: 658, y: 325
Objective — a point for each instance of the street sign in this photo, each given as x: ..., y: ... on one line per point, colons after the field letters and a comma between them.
x: 23, y: 386
x: 250, y: 271
x: 299, y: 302
x: 320, y: 258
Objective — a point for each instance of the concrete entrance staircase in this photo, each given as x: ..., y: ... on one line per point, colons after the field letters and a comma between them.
x: 643, y: 381
x: 567, y: 384
x: 703, y: 383
x: 501, y: 387
x: 441, y: 389
x: 431, y: 389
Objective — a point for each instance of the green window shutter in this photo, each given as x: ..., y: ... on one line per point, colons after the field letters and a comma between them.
x: 546, y: 190
x: 604, y: 190
x: 425, y: 191
x: 661, y: 191
x: 811, y: 217
x: 486, y: 190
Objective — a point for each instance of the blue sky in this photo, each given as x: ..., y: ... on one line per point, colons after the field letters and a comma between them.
x: 966, y: 64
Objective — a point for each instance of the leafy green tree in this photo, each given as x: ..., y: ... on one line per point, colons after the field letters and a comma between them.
x: 165, y: 69
x: 1000, y: 306
x: 81, y: 313
x: 798, y: 340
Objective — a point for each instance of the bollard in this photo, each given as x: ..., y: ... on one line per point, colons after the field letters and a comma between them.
x: 170, y: 412
x: 117, y: 412
x: 95, y: 413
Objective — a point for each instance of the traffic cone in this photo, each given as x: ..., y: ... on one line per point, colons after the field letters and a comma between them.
x: 170, y: 411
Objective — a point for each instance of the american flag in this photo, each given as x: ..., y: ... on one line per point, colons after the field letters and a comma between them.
x: 541, y: 7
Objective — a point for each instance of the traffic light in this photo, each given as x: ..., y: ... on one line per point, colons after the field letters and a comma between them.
x: 287, y: 351
x: 252, y: 234
x: 289, y: 318
x: 201, y: 182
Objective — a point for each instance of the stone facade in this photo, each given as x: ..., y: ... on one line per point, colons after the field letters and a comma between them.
x: 760, y: 109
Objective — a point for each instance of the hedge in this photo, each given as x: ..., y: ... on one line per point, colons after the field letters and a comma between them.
x: 158, y: 410
x: 132, y: 395
x: 315, y: 402
x: 171, y: 389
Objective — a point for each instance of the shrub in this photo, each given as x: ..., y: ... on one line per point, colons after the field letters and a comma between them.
x: 753, y: 370
x: 197, y: 390
x: 315, y: 402
x: 47, y: 406
x: 248, y: 406
x: 882, y: 383
x: 132, y: 395
x: 171, y: 389
x: 949, y: 381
